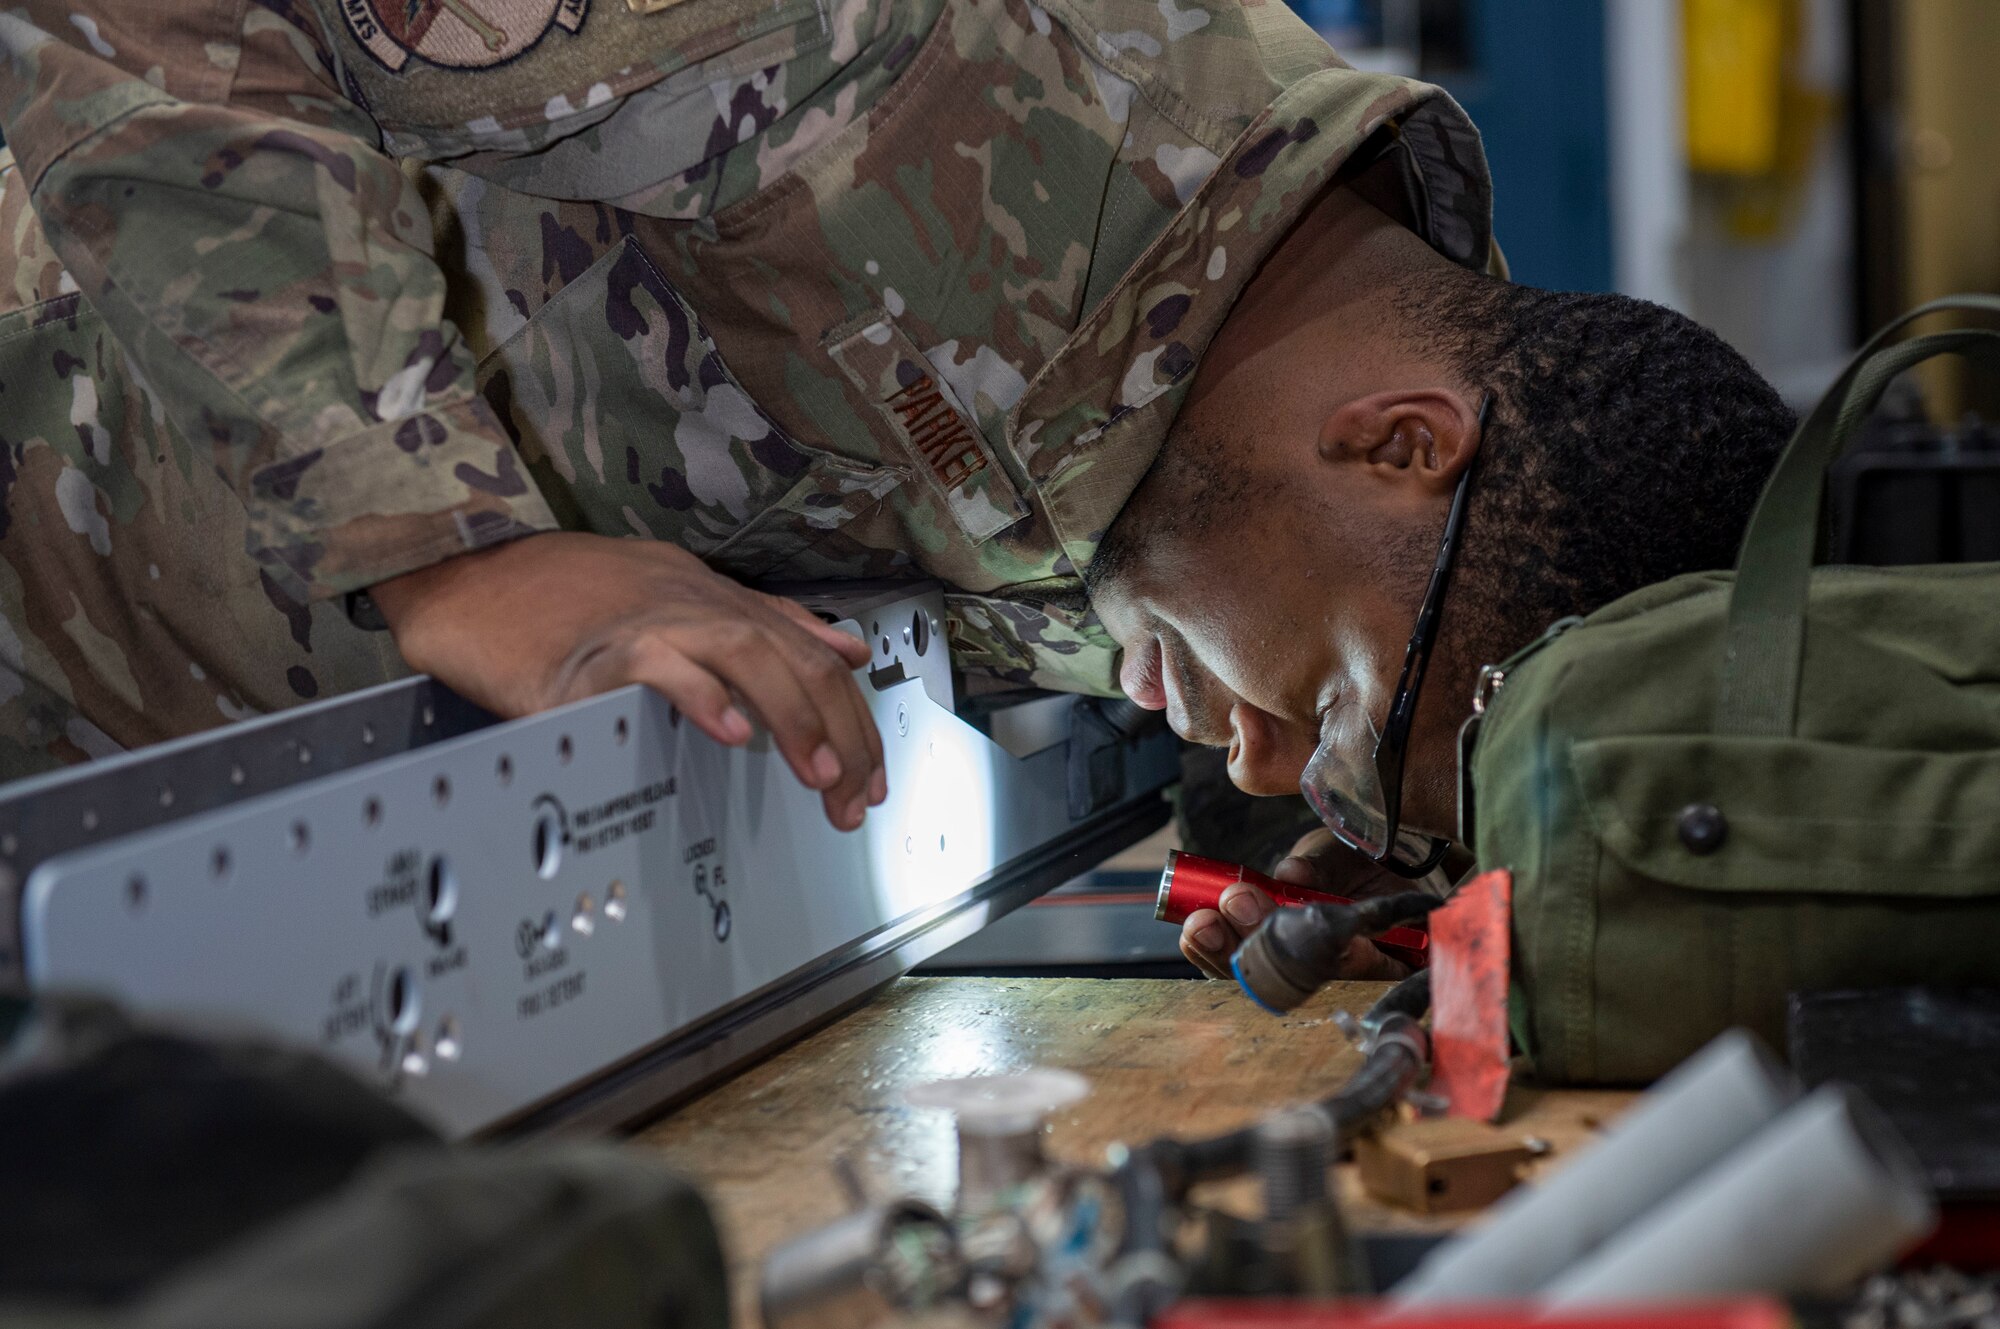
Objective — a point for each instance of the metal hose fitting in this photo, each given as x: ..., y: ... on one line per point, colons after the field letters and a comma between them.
x: 1296, y: 952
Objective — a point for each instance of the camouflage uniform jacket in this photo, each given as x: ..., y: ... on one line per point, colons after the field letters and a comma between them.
x: 305, y: 294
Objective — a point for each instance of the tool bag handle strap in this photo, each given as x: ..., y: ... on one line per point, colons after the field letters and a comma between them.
x: 1764, y: 641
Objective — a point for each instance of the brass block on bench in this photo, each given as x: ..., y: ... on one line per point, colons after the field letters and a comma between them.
x: 1443, y: 1164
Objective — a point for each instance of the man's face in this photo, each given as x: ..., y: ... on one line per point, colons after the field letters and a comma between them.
x: 1286, y: 617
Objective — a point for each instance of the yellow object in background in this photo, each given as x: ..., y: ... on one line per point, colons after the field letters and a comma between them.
x: 1736, y: 53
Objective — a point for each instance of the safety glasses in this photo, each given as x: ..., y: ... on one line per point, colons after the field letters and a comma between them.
x: 1364, y: 807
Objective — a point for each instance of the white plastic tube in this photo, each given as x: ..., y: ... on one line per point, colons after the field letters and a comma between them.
x: 1705, y: 1108
x: 1820, y: 1197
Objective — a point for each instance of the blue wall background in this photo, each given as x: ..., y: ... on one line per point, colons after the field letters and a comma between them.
x: 1536, y: 90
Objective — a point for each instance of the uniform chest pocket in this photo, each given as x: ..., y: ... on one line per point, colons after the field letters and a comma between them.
x: 632, y: 425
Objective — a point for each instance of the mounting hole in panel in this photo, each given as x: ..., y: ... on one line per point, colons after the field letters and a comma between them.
x: 166, y: 795
x: 440, y: 891
x: 406, y: 1001
x: 236, y: 775
x: 621, y: 731
x: 301, y: 837
x: 503, y: 769
x: 371, y: 812
x: 920, y: 632
x: 441, y: 790
x: 219, y: 862
x: 90, y: 819
x: 135, y: 892
x: 547, y: 845
x: 565, y: 749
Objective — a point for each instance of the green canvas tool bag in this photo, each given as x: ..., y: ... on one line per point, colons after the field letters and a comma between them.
x: 1728, y: 787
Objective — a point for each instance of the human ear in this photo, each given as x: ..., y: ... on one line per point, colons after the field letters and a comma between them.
x: 1426, y: 436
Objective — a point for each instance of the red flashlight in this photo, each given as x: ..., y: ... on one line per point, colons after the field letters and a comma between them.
x: 1191, y: 882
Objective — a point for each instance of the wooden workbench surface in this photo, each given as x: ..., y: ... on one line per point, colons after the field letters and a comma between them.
x: 1164, y: 1057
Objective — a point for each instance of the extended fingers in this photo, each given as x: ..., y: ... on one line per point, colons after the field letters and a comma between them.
x: 851, y: 649
x: 1207, y: 941
x: 1245, y: 907
x: 789, y: 703
x: 1210, y: 936
x: 853, y: 653
x: 1364, y: 961
x: 698, y: 693
x: 850, y: 728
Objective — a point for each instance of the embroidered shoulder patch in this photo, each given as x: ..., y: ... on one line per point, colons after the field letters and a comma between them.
x: 456, y: 34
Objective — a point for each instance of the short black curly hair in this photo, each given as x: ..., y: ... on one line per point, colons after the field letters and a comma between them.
x: 1627, y: 443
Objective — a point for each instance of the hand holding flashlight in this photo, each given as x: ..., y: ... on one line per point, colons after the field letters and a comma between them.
x: 1218, y: 904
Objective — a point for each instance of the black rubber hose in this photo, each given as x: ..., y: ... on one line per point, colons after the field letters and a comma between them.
x: 1386, y: 1074
x: 1389, y: 1071
x: 1411, y: 997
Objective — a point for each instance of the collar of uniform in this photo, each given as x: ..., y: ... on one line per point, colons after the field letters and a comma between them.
x: 1092, y: 421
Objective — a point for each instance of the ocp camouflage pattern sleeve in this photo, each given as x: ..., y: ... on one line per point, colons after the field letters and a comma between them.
x: 222, y: 207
